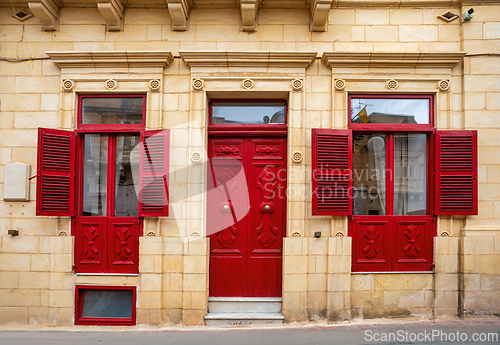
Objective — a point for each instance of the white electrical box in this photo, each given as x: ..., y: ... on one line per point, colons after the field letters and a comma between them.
x: 16, y: 183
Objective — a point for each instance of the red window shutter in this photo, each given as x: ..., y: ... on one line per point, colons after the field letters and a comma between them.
x: 456, y: 173
x: 154, y: 165
x: 332, y: 178
x: 55, y: 173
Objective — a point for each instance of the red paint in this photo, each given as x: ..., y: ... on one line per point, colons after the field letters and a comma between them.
x: 456, y: 173
x: 246, y: 248
x: 79, y: 320
x: 55, y: 173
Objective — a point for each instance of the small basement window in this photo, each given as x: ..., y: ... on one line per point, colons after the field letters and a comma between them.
x: 105, y: 305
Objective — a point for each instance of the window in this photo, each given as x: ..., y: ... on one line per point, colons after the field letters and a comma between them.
x: 391, y: 172
x: 105, y: 305
x: 107, y: 175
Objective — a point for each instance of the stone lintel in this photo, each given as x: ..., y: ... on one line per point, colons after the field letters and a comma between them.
x: 247, y: 59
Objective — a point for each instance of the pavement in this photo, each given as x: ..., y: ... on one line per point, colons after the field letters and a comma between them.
x: 472, y: 331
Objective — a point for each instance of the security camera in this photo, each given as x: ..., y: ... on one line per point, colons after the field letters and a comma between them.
x: 468, y: 15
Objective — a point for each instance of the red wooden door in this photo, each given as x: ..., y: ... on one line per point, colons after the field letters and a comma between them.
x: 246, y: 216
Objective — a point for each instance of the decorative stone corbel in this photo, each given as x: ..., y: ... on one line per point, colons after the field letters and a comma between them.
x: 249, y: 10
x: 47, y: 12
x: 319, y: 14
x: 179, y: 13
x: 113, y: 12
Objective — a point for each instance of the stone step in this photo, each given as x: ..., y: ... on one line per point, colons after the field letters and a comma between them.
x: 237, y: 319
x: 244, y: 304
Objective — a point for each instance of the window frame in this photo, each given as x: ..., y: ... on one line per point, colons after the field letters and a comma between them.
x: 110, y: 128
x: 79, y: 320
x: 392, y: 127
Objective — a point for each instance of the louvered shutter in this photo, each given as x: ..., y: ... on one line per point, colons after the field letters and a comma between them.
x: 55, y: 173
x: 456, y: 173
x: 332, y: 178
x: 154, y: 164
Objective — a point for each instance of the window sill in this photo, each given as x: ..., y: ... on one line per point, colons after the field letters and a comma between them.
x: 109, y: 274
x: 395, y: 272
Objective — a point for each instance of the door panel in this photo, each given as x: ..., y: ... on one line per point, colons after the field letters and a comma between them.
x: 246, y: 216
x: 123, y: 251
x: 414, y: 243
x: 91, y: 245
x: 371, y: 243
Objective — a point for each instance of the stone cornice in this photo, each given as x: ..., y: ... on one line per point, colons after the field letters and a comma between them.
x: 408, y: 3
x: 111, y: 58
x: 392, y: 60
x: 247, y: 59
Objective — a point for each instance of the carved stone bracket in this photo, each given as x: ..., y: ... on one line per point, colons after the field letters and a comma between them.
x: 113, y: 12
x: 319, y: 14
x: 249, y: 10
x: 47, y: 12
x: 179, y: 13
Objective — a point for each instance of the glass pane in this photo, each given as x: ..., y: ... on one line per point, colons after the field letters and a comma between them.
x: 126, y: 202
x: 112, y: 110
x: 248, y: 113
x: 410, y: 174
x: 107, y: 303
x: 95, y: 173
x: 369, y: 174
x: 389, y: 110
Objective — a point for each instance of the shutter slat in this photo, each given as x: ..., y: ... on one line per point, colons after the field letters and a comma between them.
x: 456, y: 173
x: 332, y: 182
x: 55, y: 183
x: 154, y: 167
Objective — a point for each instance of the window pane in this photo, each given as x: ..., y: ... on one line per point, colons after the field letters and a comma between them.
x: 108, y: 303
x: 126, y: 202
x: 410, y: 174
x: 112, y: 110
x: 369, y: 174
x: 95, y: 173
x: 389, y: 110
x: 248, y: 113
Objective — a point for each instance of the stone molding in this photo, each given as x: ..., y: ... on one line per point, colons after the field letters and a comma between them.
x: 248, y: 59
x: 47, y: 12
x: 122, y: 59
x: 249, y: 10
x: 179, y: 13
x: 391, y: 60
x: 408, y: 3
x: 319, y: 14
x: 113, y: 12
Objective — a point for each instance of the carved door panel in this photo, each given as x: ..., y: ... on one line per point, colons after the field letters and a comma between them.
x: 371, y: 243
x: 414, y: 243
x: 246, y: 213
x: 123, y: 251
x: 90, y: 245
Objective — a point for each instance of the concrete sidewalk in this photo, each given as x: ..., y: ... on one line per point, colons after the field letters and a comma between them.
x: 418, y: 332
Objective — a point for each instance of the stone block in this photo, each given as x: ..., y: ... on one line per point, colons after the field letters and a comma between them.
x: 9, y: 280
x: 195, y: 264
x: 61, y: 316
x: 150, y: 245
x: 60, y: 281
x: 173, y: 246
x: 172, y: 299
x: 294, y: 300
x: 195, y: 300
x: 14, y: 315
x: 490, y: 283
x: 478, y: 301
x: 362, y: 282
x: 147, y: 264
x: 14, y: 262
x: 339, y: 264
x: 20, y: 244
x: 479, y: 245
x: 198, y: 246
x: 62, y: 299
x: 446, y: 282
x: 149, y: 300
x: 403, y: 281
x: 62, y: 263
x: 336, y: 300
x: 339, y: 282
x: 39, y: 316
x: 40, y: 262
x: 171, y: 316
x: 193, y: 317
x: 194, y: 282
x: 295, y: 282
x: 294, y: 264
x: 34, y: 280
x: 418, y: 33
x: 372, y: 17
x: 317, y: 246
x: 20, y: 298
x: 151, y: 282
x: 381, y: 33
x: 406, y: 16
x: 316, y: 282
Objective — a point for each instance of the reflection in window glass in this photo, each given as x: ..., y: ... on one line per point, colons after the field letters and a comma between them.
x: 107, y: 303
x: 95, y: 174
x: 390, y: 110
x: 126, y: 202
x: 410, y: 171
x: 112, y: 110
x: 369, y: 174
x: 248, y: 113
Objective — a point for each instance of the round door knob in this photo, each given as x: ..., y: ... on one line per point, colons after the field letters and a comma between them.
x: 267, y: 208
x: 226, y: 207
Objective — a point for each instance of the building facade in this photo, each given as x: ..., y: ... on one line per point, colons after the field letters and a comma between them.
x: 184, y: 162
